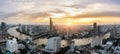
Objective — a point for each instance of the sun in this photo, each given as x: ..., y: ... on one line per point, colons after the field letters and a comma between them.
x: 68, y: 23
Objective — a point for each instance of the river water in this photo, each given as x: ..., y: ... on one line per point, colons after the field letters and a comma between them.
x: 40, y: 41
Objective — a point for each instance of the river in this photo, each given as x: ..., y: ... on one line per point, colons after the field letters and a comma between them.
x: 12, y: 31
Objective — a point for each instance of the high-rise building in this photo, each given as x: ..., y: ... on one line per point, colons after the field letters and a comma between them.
x: 3, y: 25
x: 115, y: 32
x: 96, y: 41
x: 36, y: 30
x: 11, y: 45
x: 26, y: 28
x: 30, y: 31
x: 52, y: 28
x: 53, y: 45
x: 99, y: 29
x: 3, y: 28
x: 69, y: 33
x: 95, y: 27
x: 20, y: 28
x: 72, y: 48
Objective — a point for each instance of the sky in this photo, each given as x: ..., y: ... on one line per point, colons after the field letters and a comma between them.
x: 80, y: 12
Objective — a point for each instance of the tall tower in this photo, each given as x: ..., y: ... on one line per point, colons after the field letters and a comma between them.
x: 52, y: 28
x: 20, y: 27
x: 99, y: 29
x: 51, y: 24
x: 95, y: 28
x: 3, y: 28
x: 95, y: 25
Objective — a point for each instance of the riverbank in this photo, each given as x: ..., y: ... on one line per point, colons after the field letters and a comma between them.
x: 12, y: 31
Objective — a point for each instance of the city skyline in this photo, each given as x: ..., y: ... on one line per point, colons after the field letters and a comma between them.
x: 83, y: 12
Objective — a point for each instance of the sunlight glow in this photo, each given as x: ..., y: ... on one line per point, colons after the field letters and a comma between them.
x: 68, y: 23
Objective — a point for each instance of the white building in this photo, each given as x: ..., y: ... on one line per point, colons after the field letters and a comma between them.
x: 108, y: 45
x: 117, y: 50
x: 20, y: 27
x: 53, y: 45
x: 21, y: 46
x: 72, y: 46
x: 103, y: 52
x: 26, y: 28
x: 30, y: 31
x: 96, y: 41
x: 12, y: 45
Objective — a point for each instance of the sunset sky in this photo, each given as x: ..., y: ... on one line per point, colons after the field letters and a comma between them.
x: 81, y: 12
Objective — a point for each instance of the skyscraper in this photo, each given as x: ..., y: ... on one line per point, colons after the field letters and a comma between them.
x: 51, y: 23
x: 95, y: 29
x: 3, y: 28
x: 53, y: 45
x: 96, y: 41
x: 11, y: 45
x: 99, y: 29
x: 95, y: 26
x: 52, y: 28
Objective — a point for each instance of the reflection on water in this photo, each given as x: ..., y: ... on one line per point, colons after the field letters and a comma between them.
x: 78, y: 42
x: 40, y: 41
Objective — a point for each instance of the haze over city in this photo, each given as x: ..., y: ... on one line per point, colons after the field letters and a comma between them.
x: 59, y: 26
x: 80, y: 12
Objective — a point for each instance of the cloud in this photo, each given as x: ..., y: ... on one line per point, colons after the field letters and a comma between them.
x: 30, y: 10
x: 95, y: 15
x: 57, y: 11
x: 95, y: 10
